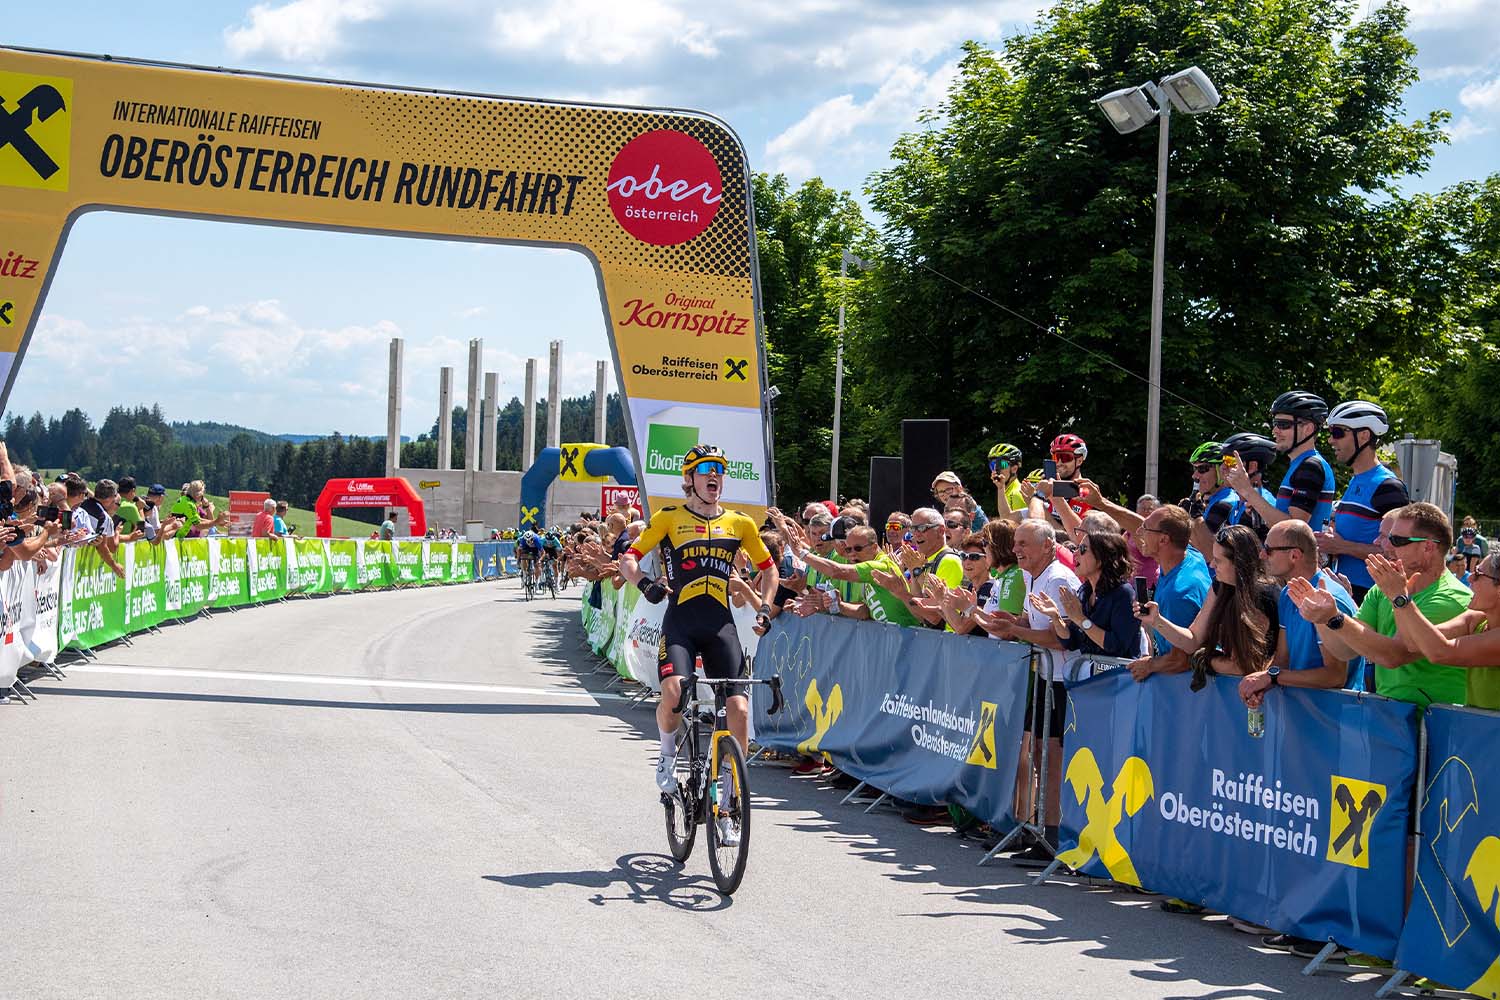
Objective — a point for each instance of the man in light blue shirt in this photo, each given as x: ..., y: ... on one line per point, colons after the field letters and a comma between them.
x: 1181, y: 588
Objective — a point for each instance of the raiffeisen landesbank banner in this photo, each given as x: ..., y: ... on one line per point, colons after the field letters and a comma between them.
x: 659, y: 199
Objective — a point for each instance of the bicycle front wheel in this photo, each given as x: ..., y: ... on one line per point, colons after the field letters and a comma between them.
x: 729, y: 826
x: 682, y: 824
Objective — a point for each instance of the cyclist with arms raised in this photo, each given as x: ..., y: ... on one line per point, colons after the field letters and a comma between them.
x: 698, y: 542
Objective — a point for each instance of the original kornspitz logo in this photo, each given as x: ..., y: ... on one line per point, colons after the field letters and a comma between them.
x: 664, y: 187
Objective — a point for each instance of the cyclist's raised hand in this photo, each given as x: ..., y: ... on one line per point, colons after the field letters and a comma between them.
x: 653, y: 591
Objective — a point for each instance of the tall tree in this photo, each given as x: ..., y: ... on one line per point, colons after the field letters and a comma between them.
x: 1289, y: 264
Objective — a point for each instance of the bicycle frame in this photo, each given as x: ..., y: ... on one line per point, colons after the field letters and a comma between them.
x: 692, y: 739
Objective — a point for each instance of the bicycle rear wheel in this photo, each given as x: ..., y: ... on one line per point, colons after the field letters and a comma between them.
x: 728, y: 860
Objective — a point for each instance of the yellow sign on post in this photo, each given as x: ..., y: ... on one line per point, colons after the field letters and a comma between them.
x: 659, y: 201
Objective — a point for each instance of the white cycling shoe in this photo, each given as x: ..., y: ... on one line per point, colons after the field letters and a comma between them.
x: 666, y: 780
x: 729, y: 832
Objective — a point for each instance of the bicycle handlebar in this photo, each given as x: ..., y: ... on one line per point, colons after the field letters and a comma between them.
x: 690, y: 685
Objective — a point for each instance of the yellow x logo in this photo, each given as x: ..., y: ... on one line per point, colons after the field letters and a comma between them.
x: 1131, y: 791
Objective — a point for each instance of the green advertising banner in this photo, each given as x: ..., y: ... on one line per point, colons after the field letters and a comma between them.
x: 307, y: 566
x: 189, y: 581
x: 145, y: 585
x: 229, y: 572
x: 437, y: 561
x: 343, y: 564
x: 406, y: 562
x: 92, y: 601
x: 374, y: 562
x: 266, y: 569
x: 463, y: 563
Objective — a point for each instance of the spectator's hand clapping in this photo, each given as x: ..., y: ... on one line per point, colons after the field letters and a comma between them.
x: 1315, y: 603
x: 1072, y: 607
x: 908, y: 556
x: 1389, y: 574
x: 1044, y: 604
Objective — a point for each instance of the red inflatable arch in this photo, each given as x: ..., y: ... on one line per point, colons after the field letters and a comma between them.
x: 369, y: 493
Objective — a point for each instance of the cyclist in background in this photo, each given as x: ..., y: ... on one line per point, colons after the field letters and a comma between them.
x: 1005, y: 473
x: 528, y: 554
x: 1354, y: 429
x: 698, y: 542
x: 551, y: 551
x: 1306, y: 492
x: 1254, y: 453
x: 1212, y: 502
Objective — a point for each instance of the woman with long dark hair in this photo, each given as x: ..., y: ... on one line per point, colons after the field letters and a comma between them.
x: 1235, y: 631
x: 1100, y: 619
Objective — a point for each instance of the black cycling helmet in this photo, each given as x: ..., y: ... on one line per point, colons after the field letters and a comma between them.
x: 1302, y: 405
x: 700, y: 453
x: 1251, y: 448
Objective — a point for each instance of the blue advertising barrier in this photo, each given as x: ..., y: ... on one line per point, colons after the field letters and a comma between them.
x: 1302, y: 830
x: 1451, y: 933
x: 494, y: 559
x: 925, y: 716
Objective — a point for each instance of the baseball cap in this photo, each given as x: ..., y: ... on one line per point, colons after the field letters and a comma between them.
x: 157, y: 490
x: 947, y: 476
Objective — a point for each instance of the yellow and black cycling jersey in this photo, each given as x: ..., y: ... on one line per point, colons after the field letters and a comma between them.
x: 698, y: 552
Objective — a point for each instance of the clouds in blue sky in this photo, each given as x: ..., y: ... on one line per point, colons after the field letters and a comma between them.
x: 286, y: 330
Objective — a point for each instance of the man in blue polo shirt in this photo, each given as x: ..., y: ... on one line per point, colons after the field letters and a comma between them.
x: 1181, y: 589
x: 1301, y: 659
x: 1306, y: 492
x: 1354, y: 428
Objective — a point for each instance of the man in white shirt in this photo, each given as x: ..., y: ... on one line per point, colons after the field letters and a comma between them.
x: 1036, y: 553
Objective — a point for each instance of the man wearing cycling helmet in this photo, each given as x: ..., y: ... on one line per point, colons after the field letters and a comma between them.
x: 528, y: 553
x: 1306, y: 492
x: 1005, y: 473
x: 698, y: 542
x: 1354, y: 428
x: 1212, y: 502
x: 1254, y: 453
x: 1068, y: 452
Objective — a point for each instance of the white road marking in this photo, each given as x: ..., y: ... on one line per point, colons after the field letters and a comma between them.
x: 342, y: 681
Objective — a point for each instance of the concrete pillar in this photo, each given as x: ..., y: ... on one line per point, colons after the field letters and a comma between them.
x: 554, y: 394
x: 471, y: 414
x: 393, y: 409
x: 445, y: 418
x: 528, y: 418
x: 601, y: 395
x: 488, y: 446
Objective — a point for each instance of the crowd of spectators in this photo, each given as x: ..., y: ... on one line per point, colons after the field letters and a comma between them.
x: 1300, y: 586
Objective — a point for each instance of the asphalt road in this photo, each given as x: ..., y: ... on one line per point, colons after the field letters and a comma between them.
x: 416, y: 794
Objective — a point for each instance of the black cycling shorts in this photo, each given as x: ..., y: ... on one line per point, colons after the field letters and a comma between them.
x: 1036, y: 705
x: 718, y: 644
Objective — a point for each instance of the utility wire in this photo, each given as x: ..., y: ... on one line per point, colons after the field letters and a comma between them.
x: 1077, y: 346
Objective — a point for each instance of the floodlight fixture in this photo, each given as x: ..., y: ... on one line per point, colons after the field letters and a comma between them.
x: 1191, y: 91
x: 1127, y: 109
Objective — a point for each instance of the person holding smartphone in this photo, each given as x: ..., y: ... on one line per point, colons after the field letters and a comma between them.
x: 1061, y: 474
x: 1005, y: 473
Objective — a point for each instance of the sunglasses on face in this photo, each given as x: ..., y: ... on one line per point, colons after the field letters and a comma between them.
x: 952, y: 525
x: 924, y: 528
x: 1402, y: 541
x: 1083, y: 550
x: 998, y: 463
x: 972, y: 556
x: 709, y: 468
x: 1277, y: 548
x: 1063, y: 456
x: 1339, y: 433
x: 894, y: 526
x: 1283, y: 423
x: 1202, y: 467
x: 858, y: 548
x: 1492, y: 577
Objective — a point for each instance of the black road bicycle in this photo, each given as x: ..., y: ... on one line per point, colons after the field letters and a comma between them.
x: 528, y: 579
x: 549, y: 577
x: 712, y: 781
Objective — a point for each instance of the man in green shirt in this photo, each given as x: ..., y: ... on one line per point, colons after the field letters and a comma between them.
x: 128, y: 512
x: 877, y: 603
x: 1419, y: 535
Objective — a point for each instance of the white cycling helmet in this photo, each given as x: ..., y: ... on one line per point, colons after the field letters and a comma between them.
x: 1359, y: 415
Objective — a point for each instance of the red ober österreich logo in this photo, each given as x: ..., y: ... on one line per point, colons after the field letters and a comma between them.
x: 664, y: 187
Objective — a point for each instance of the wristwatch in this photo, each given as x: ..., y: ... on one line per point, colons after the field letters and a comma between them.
x: 1401, y: 601
x: 1086, y: 624
x: 1336, y: 622
x: 1274, y: 672
x: 765, y: 609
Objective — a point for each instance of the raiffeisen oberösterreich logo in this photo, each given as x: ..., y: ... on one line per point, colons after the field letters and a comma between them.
x: 664, y: 187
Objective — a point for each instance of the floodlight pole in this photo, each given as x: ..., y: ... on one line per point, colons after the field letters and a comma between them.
x: 1158, y: 267
x: 838, y: 380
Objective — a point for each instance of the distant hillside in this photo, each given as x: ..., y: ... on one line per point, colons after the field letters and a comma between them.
x: 201, y: 433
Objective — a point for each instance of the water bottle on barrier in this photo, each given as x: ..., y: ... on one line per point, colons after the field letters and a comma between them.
x: 1255, y: 721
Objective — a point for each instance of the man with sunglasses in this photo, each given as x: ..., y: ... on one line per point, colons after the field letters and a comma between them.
x: 926, y: 555
x: 698, y: 542
x: 865, y: 557
x: 1068, y: 453
x: 1005, y: 473
x: 1419, y: 536
x: 1212, y: 501
x: 1306, y: 491
x: 1354, y: 428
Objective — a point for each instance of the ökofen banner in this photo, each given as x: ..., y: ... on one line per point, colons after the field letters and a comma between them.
x: 658, y: 199
x: 1451, y: 932
x: 1302, y: 830
x: 926, y: 716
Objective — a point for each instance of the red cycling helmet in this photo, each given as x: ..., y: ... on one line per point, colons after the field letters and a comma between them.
x: 1069, y: 443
